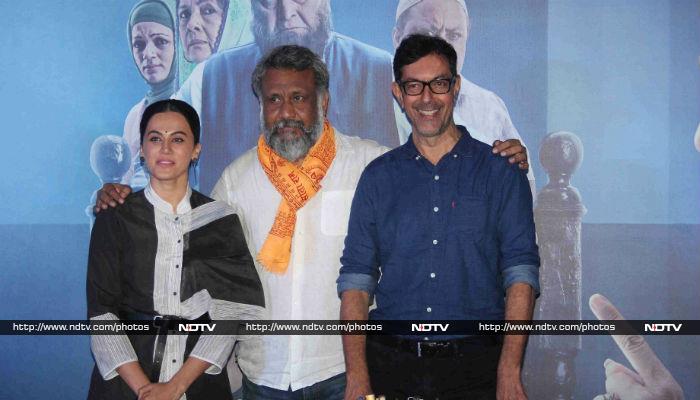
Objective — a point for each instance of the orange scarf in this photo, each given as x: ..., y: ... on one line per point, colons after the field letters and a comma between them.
x: 296, y: 184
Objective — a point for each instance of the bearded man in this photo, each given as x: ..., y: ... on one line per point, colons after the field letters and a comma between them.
x: 293, y: 193
x: 360, y: 84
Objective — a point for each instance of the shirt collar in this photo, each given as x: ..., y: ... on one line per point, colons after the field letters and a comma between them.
x: 463, y: 146
x: 163, y: 206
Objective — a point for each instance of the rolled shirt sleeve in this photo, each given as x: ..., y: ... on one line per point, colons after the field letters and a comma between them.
x: 520, y: 259
x: 522, y: 274
x: 364, y: 282
x: 359, y: 264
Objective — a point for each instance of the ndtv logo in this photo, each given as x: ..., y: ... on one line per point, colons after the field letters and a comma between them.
x: 196, y: 327
x: 429, y: 327
x: 662, y: 327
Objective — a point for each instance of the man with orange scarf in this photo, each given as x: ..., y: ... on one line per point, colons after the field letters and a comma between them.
x: 293, y: 193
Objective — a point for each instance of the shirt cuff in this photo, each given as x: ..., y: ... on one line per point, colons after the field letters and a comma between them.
x: 214, y: 349
x: 364, y: 282
x: 522, y: 274
x: 111, y: 351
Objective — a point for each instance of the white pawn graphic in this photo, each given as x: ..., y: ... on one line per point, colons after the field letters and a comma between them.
x: 110, y: 159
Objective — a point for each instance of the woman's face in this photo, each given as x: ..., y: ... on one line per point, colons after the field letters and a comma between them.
x: 153, y: 48
x: 168, y: 147
x: 199, y: 23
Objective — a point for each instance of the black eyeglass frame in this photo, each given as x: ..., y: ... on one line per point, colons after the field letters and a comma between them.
x: 451, y: 81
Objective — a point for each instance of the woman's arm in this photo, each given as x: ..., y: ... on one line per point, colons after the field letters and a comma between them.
x: 178, y: 385
x: 133, y: 375
x: 114, y: 354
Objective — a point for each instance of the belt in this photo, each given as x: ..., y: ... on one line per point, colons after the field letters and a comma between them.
x: 164, y: 324
x: 437, y: 348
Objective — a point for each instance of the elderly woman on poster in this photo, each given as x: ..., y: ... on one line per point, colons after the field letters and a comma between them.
x: 206, y: 27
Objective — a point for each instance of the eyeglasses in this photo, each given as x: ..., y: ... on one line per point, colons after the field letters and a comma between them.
x: 437, y: 86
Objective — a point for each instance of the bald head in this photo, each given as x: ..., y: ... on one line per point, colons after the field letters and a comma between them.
x: 281, y: 22
x: 447, y: 19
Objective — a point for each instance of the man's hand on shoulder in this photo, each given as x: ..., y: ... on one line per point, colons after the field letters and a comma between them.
x: 110, y: 195
x: 514, y: 150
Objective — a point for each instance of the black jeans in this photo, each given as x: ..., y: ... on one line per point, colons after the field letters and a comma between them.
x: 466, y: 371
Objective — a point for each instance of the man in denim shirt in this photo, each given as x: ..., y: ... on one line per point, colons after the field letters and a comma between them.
x: 449, y: 228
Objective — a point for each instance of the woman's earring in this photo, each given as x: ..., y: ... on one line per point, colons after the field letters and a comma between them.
x: 142, y: 161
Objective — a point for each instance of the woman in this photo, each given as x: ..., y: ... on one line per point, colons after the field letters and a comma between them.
x: 151, y: 32
x: 200, y: 23
x: 206, y: 27
x: 168, y: 253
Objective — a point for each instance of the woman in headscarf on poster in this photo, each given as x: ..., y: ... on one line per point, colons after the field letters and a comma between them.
x: 152, y: 38
x: 198, y: 19
x: 166, y: 255
x: 206, y: 27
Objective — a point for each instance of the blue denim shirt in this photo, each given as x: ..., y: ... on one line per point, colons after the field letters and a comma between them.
x: 440, y: 242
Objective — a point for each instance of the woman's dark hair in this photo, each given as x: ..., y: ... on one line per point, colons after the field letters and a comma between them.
x: 417, y: 46
x: 172, y: 105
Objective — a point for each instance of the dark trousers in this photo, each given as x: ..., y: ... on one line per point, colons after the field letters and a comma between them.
x: 463, y: 371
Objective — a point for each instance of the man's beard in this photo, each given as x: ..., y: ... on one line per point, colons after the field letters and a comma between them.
x: 296, y: 148
x: 315, y: 39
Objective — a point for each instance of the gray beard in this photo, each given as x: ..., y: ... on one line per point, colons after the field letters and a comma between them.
x: 315, y: 40
x: 294, y: 149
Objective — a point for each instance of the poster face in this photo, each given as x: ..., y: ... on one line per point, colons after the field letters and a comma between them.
x: 605, y: 95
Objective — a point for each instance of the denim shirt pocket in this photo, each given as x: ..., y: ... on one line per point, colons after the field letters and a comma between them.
x: 468, y: 217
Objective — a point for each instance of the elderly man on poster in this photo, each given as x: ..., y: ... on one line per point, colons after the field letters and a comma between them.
x: 360, y: 79
x: 449, y: 228
x: 481, y: 111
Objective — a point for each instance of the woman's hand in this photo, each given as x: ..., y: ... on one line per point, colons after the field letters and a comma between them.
x: 177, y: 386
x: 160, y: 391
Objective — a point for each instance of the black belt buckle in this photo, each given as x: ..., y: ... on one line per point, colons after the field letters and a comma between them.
x: 164, y: 322
x: 433, y: 348
x: 158, y: 321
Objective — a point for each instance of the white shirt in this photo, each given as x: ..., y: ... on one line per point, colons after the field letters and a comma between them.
x: 307, y: 290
